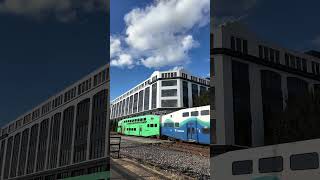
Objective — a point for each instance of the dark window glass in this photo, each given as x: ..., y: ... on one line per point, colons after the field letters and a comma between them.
x: 272, y: 55
x: 266, y: 53
x: 242, y: 167
x: 66, y: 136
x: 32, y: 148
x: 23, y: 152
x: 15, y: 153
x: 272, y: 164
x: 277, y: 57
x: 81, y: 131
x: 151, y: 125
x: 131, y: 104
x: 286, y: 57
x: 98, y: 134
x: 185, y: 90
x: 205, y: 112
x: 304, y: 65
x: 241, y: 103
x: 8, y: 158
x: 154, y: 96
x: 135, y: 101
x: 304, y: 161
x: 238, y: 41
x: 169, y: 92
x: 146, y: 98
x: 42, y: 146
x: 185, y: 114
x: 261, y: 52
x: 169, y: 103
x: 54, y: 141
x: 233, y: 47
x: 169, y: 83
x: 2, y: 151
x: 176, y: 125
x: 245, y: 46
x: 195, y: 93
x: 195, y: 113
x: 140, y: 102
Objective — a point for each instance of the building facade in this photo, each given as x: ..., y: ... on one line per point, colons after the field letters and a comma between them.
x: 254, y: 79
x: 161, y: 93
x: 65, y: 136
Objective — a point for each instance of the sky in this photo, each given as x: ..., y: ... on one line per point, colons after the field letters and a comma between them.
x: 150, y: 35
x: 45, y: 46
x: 289, y: 23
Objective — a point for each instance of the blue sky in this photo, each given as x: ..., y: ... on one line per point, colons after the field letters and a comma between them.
x: 130, y: 71
x: 41, y: 53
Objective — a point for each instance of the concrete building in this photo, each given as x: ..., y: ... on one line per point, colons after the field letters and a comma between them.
x: 65, y: 136
x: 161, y: 93
x: 254, y: 78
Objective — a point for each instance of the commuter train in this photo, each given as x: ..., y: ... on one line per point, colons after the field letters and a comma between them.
x: 289, y: 161
x: 191, y: 125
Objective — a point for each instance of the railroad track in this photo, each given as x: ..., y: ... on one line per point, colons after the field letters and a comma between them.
x: 197, y: 149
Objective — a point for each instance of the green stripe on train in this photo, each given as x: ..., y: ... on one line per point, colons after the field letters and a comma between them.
x: 95, y: 176
x: 148, y: 125
x: 199, y: 121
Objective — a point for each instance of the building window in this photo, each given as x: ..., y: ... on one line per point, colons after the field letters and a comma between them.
x: 238, y: 43
x: 81, y: 131
x: 233, y: 46
x: 54, y: 141
x: 154, y: 96
x: 286, y: 58
x: 98, y: 129
x: 169, y: 103
x: 8, y: 158
x: 32, y: 148
x: 195, y: 93
x: 146, y: 98
x: 135, y: 101
x: 66, y: 136
x: 15, y: 153
x: 241, y: 103
x: 23, y: 152
x: 260, y: 51
x: 245, y: 46
x: 169, y: 93
x: 42, y: 147
x: 169, y: 83
x: 185, y: 91
x: 140, y: 102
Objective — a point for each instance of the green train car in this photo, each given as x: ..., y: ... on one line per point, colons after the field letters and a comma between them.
x: 145, y: 126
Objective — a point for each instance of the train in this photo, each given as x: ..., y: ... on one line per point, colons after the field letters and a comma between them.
x: 189, y: 125
x: 288, y: 161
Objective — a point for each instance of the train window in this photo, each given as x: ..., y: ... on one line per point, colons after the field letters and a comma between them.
x: 185, y: 114
x: 155, y: 125
x: 272, y: 164
x: 204, y: 112
x: 151, y: 125
x: 206, y: 130
x: 242, y: 167
x: 304, y: 161
x: 176, y: 124
x: 147, y: 125
x: 194, y: 113
x: 134, y: 129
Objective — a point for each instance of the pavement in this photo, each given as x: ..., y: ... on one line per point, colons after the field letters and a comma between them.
x: 126, y: 169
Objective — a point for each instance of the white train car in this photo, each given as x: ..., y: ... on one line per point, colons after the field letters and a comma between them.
x: 289, y: 161
x: 190, y: 124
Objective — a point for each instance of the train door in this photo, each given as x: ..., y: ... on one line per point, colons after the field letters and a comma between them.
x: 140, y: 130
x: 192, y: 131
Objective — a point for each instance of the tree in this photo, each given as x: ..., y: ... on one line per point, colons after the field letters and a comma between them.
x: 202, y: 100
x: 299, y: 121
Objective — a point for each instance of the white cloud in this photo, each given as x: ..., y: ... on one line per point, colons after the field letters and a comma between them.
x: 115, y: 46
x: 62, y: 10
x: 160, y: 34
x: 122, y: 61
